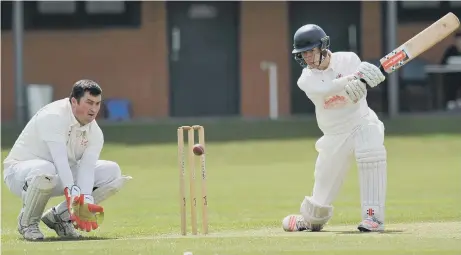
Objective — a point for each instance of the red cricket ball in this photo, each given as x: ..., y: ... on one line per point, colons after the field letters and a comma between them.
x: 198, y: 149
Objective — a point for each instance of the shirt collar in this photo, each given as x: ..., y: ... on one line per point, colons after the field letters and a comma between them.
x: 333, y: 63
x: 74, y: 121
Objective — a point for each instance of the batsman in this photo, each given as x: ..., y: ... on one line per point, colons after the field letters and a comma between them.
x: 336, y: 83
x: 57, y: 154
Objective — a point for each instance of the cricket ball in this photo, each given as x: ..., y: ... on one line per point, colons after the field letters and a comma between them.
x: 198, y: 150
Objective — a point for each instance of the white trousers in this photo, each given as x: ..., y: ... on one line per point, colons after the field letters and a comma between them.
x: 335, y: 155
x: 105, y: 172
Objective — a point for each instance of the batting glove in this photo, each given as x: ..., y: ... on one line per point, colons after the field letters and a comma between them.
x: 355, y: 90
x: 369, y: 74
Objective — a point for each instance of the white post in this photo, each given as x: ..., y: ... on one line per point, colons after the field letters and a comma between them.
x: 393, y: 80
x: 18, y: 32
x: 273, y: 89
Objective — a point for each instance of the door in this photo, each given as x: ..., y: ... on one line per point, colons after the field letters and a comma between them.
x: 341, y: 22
x: 203, y: 58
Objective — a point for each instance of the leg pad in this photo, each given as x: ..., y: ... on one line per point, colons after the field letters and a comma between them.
x: 314, y: 214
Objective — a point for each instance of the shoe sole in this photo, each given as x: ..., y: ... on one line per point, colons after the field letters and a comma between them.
x: 36, y: 239
x: 363, y: 229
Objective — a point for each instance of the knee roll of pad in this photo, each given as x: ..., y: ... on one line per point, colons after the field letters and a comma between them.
x: 371, y: 156
x: 43, y: 182
x: 314, y: 213
x: 104, y: 192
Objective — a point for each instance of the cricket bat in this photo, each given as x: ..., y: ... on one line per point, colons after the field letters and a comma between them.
x: 420, y: 43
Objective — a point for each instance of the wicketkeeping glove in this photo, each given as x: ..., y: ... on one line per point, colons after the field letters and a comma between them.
x: 84, y: 214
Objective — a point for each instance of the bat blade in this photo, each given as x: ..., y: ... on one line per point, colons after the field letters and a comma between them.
x: 420, y: 43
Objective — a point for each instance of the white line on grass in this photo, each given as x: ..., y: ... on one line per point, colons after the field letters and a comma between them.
x: 423, y: 229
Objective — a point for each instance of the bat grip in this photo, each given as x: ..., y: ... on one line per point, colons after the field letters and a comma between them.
x: 362, y: 80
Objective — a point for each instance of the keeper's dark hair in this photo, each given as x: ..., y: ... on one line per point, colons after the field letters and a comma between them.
x: 82, y: 86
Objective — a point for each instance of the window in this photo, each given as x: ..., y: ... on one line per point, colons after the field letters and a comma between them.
x: 105, y: 7
x: 427, y: 11
x: 7, y: 15
x: 455, y: 4
x: 56, y: 7
x: 420, y: 4
x: 52, y: 15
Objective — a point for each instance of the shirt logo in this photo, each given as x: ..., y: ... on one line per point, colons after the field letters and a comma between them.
x: 84, y: 142
x: 83, y: 139
x: 334, y: 102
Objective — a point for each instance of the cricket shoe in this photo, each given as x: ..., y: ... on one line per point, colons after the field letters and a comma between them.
x: 64, y: 229
x: 296, y: 223
x: 31, y: 232
x: 371, y: 224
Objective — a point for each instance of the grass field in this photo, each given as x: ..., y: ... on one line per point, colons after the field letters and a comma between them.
x: 257, y: 177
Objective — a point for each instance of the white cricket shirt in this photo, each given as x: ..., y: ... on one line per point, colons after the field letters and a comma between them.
x: 55, y: 122
x: 334, y: 111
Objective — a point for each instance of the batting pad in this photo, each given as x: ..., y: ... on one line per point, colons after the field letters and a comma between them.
x: 36, y: 197
x: 314, y: 213
x: 372, y: 167
x: 104, y: 192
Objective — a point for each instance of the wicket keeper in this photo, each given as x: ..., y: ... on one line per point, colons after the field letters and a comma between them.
x: 57, y: 154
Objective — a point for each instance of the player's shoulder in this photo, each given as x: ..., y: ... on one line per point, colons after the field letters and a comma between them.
x: 345, y: 61
x: 345, y: 56
x: 56, y: 107
x: 59, y: 109
x: 95, y: 129
x: 304, y: 77
x: 306, y: 73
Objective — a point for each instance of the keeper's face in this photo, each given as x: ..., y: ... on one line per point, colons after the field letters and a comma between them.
x: 87, y: 108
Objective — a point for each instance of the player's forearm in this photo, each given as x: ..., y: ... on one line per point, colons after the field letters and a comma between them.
x: 85, y: 178
x: 58, y: 152
x: 339, y: 84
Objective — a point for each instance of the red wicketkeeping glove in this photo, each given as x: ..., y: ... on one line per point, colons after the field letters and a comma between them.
x: 84, y: 214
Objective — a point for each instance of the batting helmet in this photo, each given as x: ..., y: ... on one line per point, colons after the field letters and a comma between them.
x: 308, y: 37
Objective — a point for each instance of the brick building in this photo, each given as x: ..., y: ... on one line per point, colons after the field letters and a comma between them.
x: 193, y: 59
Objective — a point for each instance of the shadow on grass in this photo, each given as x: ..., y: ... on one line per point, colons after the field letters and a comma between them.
x: 84, y: 238
x: 222, y: 130
x: 356, y: 232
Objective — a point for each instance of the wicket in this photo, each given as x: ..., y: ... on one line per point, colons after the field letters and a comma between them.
x: 192, y: 180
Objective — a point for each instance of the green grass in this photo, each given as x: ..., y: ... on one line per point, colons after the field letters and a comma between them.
x: 252, y: 185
